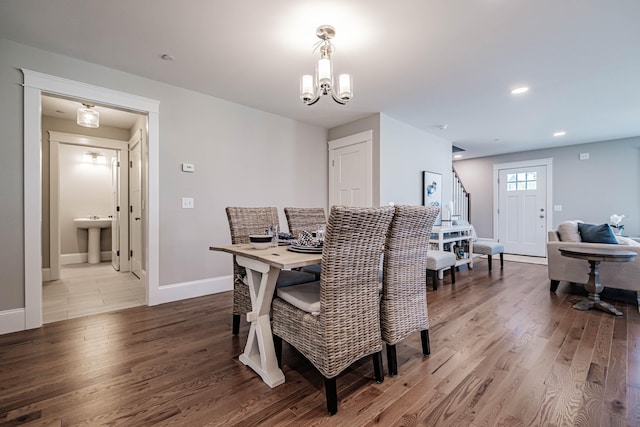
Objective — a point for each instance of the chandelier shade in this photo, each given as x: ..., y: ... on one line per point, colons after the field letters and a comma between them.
x: 323, y: 83
x: 88, y: 117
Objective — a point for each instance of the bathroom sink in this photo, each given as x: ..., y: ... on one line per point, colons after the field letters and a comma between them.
x: 92, y: 223
x: 93, y: 226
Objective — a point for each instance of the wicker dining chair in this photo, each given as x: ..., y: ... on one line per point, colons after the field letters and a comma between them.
x: 307, y: 219
x: 336, y: 321
x: 403, y: 305
x: 244, y: 221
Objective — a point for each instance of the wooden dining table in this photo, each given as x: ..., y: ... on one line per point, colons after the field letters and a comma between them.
x: 263, y: 267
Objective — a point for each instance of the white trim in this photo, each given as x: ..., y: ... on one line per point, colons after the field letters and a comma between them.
x: 46, y: 275
x: 12, y: 321
x: 196, y: 288
x: 34, y: 84
x: 548, y: 162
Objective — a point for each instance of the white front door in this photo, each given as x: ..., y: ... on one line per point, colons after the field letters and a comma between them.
x: 522, y: 212
x: 350, y: 166
x: 135, y: 209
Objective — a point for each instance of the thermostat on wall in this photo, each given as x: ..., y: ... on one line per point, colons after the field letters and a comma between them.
x: 188, y: 167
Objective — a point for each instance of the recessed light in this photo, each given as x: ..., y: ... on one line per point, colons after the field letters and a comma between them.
x: 457, y: 156
x: 519, y: 90
x: 559, y: 133
x: 167, y: 57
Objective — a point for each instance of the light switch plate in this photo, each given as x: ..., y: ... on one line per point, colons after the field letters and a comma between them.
x: 188, y: 167
x: 584, y: 156
x: 557, y: 208
x: 187, y: 203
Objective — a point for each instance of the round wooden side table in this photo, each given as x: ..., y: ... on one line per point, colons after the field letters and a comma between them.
x: 593, y: 285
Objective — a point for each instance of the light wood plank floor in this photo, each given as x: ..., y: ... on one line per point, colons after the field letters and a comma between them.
x: 85, y: 289
x: 505, y: 352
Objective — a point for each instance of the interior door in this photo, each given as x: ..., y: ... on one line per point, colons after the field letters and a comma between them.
x: 135, y: 208
x: 350, y: 165
x: 115, y: 211
x: 522, y: 216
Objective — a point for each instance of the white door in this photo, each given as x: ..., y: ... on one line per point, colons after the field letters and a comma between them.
x: 350, y: 166
x: 135, y: 208
x: 115, y: 211
x: 522, y: 211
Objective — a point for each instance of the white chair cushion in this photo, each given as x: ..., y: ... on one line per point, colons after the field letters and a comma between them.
x: 306, y: 296
x: 626, y: 241
x: 487, y: 247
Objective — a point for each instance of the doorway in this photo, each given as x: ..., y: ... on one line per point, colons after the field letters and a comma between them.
x: 522, y: 204
x: 35, y: 84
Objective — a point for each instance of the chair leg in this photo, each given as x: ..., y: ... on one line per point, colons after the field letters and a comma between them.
x: 277, y: 345
x: 235, y: 328
x: 377, y: 366
x: 489, y: 258
x: 638, y: 299
x: 554, y: 285
x: 426, y: 346
x: 332, y: 395
x: 434, y: 279
x: 392, y: 360
x: 501, y: 260
x: 453, y: 275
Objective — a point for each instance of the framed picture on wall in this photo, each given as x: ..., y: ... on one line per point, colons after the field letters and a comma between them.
x: 432, y: 191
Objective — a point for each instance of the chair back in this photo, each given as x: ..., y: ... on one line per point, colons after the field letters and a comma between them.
x: 299, y: 219
x: 403, y: 306
x: 245, y: 221
x: 349, y: 296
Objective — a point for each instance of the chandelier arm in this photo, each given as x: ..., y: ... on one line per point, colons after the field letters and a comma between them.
x: 314, y: 100
x: 338, y: 100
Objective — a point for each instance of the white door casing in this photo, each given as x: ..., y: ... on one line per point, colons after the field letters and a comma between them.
x: 135, y: 210
x: 35, y: 84
x: 522, y: 205
x: 55, y: 139
x: 350, y: 170
x: 115, y: 212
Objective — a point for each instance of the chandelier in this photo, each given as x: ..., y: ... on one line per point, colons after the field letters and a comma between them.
x: 311, y: 89
x: 88, y: 117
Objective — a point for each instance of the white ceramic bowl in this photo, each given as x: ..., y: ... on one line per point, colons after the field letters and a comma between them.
x: 260, y: 241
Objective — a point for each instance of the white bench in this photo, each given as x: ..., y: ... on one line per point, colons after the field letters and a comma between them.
x: 489, y: 248
x: 437, y: 261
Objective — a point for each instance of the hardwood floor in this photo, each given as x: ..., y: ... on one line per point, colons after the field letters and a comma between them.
x: 505, y: 352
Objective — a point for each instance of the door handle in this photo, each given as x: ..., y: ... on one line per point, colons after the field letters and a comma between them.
x: 137, y: 218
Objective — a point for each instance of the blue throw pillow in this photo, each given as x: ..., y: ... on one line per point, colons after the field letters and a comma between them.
x: 592, y: 233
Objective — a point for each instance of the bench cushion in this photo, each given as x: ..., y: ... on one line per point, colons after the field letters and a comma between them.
x: 437, y: 260
x: 488, y: 248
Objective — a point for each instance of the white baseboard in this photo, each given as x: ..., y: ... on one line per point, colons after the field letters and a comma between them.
x: 196, y: 288
x: 46, y: 274
x: 82, y: 257
x: 12, y: 321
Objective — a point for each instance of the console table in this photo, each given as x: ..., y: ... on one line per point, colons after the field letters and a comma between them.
x: 448, y: 238
x: 593, y: 285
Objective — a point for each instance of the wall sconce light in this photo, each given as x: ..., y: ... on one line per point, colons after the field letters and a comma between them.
x: 93, y: 157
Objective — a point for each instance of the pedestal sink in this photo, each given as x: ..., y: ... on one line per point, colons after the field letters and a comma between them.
x: 93, y: 225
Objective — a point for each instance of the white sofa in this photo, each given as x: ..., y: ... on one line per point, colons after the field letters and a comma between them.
x: 618, y: 275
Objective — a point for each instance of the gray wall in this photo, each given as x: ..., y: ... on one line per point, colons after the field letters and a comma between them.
x: 229, y: 144
x: 590, y: 190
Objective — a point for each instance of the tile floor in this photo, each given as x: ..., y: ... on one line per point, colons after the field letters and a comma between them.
x: 85, y: 289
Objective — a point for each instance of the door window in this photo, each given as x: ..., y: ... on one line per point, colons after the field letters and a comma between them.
x: 522, y: 181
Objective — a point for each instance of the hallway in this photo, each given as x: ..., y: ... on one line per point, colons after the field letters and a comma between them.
x: 85, y: 289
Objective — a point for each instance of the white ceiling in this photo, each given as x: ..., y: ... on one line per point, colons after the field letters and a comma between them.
x: 424, y: 62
